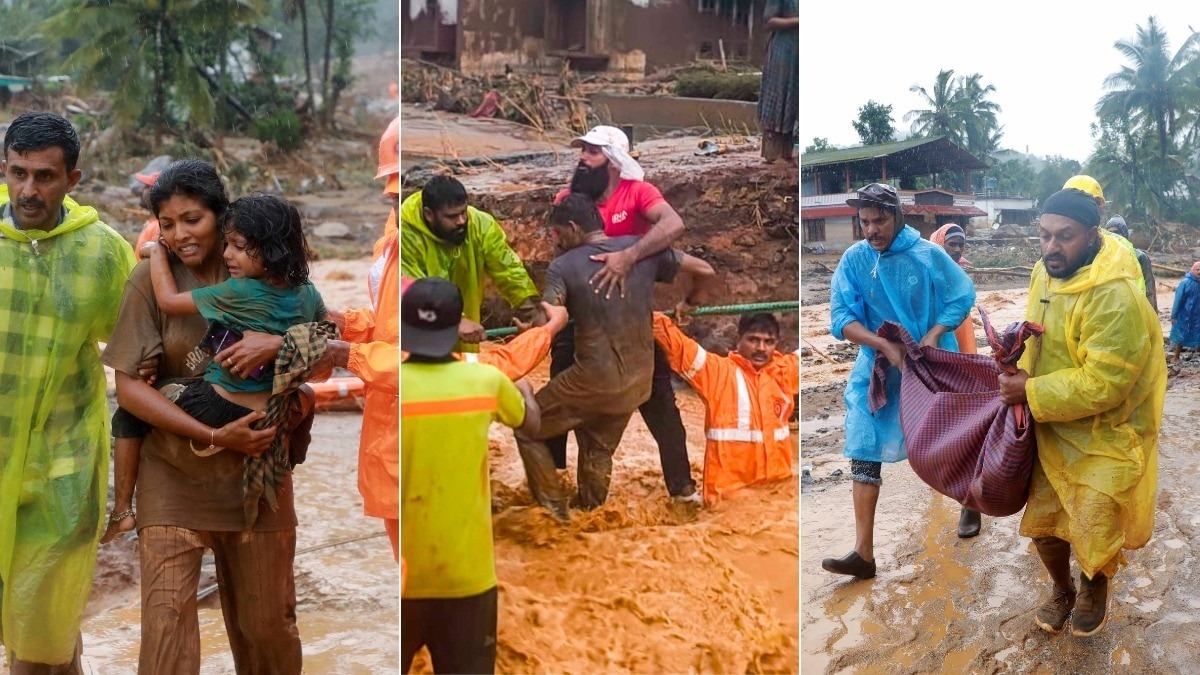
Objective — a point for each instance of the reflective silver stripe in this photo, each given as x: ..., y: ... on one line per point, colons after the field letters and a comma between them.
x: 697, y: 363
x: 470, y: 357
x: 375, y: 277
x: 746, y: 436
x: 743, y: 402
x: 742, y: 435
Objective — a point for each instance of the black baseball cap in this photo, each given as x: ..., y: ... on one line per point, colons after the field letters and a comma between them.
x: 878, y: 195
x: 429, y: 314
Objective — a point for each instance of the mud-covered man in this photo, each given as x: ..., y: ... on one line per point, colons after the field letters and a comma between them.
x: 1095, y: 382
x: 442, y: 236
x: 614, y: 352
x: 891, y: 275
x: 629, y: 206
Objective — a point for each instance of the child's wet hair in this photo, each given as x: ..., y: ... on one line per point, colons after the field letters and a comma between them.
x: 274, y: 235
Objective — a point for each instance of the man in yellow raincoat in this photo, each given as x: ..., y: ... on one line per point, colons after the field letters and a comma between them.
x: 442, y: 236
x: 62, y: 272
x: 1095, y: 382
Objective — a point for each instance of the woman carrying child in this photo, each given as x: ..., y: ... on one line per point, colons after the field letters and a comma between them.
x: 187, y: 502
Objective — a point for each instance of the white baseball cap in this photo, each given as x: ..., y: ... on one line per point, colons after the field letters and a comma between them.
x: 603, y: 136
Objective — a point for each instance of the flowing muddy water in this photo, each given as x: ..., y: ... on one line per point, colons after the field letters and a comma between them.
x: 943, y: 604
x: 641, y: 584
x: 347, y: 594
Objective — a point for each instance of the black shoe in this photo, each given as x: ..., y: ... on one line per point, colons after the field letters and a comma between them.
x: 851, y: 564
x: 969, y: 523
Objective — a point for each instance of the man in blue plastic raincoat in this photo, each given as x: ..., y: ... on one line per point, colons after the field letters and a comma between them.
x: 1095, y: 382
x: 892, y: 275
x: 442, y: 236
x: 61, y: 276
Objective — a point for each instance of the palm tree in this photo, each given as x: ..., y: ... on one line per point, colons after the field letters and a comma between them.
x: 141, y: 45
x: 940, y: 117
x: 1141, y: 188
x: 1156, y: 87
x: 977, y: 115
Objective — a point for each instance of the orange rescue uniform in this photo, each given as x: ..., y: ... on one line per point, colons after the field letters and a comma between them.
x: 150, y: 232
x: 374, y: 334
x: 746, y: 411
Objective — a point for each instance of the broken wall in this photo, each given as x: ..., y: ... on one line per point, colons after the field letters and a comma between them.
x: 428, y: 30
x: 637, y: 36
x: 675, y: 32
x: 496, y: 33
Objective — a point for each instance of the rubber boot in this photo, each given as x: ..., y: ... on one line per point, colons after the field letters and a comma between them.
x: 969, y: 523
x: 1055, y: 553
x: 1092, y: 613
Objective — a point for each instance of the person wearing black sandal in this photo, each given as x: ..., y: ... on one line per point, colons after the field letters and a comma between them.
x: 891, y: 275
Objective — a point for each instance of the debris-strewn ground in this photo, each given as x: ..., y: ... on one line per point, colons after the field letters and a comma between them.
x: 741, y: 216
x: 942, y: 604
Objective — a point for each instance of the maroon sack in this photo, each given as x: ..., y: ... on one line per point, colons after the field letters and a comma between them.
x: 961, y: 439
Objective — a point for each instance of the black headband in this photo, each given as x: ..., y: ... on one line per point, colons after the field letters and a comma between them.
x: 1074, y: 204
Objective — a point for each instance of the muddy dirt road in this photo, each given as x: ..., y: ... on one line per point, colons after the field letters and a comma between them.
x: 941, y: 604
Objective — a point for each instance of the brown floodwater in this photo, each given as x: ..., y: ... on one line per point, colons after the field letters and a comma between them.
x: 347, y: 593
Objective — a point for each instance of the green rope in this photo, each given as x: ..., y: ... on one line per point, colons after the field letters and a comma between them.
x: 784, y: 306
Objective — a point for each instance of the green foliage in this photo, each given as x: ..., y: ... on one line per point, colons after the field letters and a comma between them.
x: 1054, y: 173
x: 959, y: 109
x: 727, y: 86
x: 874, y: 123
x: 1014, y: 176
x: 818, y: 145
x: 141, y: 50
x: 283, y: 128
x: 1147, y: 125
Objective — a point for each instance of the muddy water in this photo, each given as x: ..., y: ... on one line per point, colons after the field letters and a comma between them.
x: 347, y: 593
x: 643, y: 585
x: 941, y: 604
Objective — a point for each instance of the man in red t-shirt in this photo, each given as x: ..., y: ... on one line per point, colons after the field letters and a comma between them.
x: 629, y: 206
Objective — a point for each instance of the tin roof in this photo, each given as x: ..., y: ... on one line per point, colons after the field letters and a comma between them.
x: 920, y: 156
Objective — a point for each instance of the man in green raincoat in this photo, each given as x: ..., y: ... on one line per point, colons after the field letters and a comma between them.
x: 61, y: 276
x: 442, y: 236
x: 1095, y: 382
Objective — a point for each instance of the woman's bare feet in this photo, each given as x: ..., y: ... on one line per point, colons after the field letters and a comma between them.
x: 120, y: 522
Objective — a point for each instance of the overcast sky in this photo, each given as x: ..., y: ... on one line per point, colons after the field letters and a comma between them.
x: 1047, y: 60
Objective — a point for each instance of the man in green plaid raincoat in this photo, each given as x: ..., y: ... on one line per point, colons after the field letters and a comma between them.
x: 61, y: 276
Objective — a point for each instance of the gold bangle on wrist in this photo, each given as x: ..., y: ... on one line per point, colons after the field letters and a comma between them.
x: 212, y: 448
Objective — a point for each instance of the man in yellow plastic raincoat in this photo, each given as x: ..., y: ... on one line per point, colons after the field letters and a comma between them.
x: 442, y: 236
x: 62, y: 272
x: 1095, y: 382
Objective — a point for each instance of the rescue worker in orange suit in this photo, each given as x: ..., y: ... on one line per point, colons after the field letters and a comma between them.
x: 747, y: 401
x: 370, y: 348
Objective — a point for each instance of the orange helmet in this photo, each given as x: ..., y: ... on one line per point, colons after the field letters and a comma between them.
x: 389, y: 154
